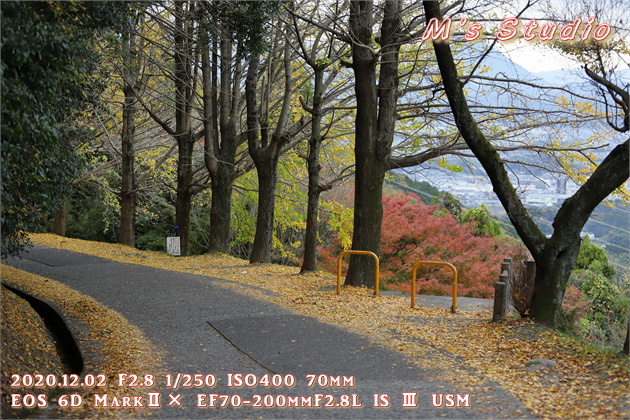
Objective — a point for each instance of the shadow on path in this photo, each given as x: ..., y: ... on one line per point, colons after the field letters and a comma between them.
x: 208, y: 329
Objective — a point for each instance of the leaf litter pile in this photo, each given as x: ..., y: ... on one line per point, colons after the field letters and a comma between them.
x: 26, y: 345
x: 465, y: 347
x: 123, y: 346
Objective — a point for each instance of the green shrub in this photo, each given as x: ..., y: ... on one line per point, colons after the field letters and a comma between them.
x: 153, y: 240
x: 605, y: 319
x: 594, y: 258
x: 92, y: 214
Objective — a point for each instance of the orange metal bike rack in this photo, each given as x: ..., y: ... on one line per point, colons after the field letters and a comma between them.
x: 376, y: 269
x: 438, y: 263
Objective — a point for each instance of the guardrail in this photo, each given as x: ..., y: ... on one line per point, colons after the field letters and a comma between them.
x: 376, y: 270
x: 438, y: 263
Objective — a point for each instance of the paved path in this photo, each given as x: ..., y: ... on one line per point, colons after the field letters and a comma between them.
x: 207, y: 329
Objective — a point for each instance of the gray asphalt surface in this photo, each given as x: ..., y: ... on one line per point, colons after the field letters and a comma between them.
x: 206, y: 329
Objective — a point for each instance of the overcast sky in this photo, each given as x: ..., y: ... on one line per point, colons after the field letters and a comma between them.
x: 538, y: 58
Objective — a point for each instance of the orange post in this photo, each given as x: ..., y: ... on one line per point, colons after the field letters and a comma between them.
x: 376, y: 270
x: 438, y: 263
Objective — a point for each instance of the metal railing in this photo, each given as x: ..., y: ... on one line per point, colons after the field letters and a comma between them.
x: 438, y: 263
x: 376, y: 269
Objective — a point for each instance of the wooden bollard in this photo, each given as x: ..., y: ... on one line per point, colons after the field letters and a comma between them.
x: 506, y: 265
x: 499, y: 291
x: 528, y: 278
x: 500, y: 297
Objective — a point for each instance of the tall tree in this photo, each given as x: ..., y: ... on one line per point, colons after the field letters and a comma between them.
x: 132, y: 83
x: 410, y: 149
x: 554, y: 256
x: 180, y: 43
x: 222, y: 66
x: 376, y: 92
x: 265, y: 149
x: 322, y: 55
x: 379, y: 70
x: 184, y: 33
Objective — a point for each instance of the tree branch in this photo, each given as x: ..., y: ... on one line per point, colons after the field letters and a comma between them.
x: 488, y: 156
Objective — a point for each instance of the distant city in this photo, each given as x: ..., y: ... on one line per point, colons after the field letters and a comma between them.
x: 539, y: 190
x: 475, y: 189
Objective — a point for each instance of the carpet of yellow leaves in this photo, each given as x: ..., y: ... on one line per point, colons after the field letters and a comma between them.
x: 27, y: 347
x: 586, y: 383
x: 124, y: 347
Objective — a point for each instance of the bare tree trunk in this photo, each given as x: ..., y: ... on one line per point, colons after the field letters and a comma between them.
x: 183, y: 201
x: 183, y: 130
x: 310, y: 235
x: 313, y: 165
x: 221, y: 97
x: 553, y: 269
x: 60, y: 218
x: 265, y: 153
x: 375, y: 121
x: 128, y: 179
x: 312, y: 162
x: 267, y: 181
x: 220, y: 211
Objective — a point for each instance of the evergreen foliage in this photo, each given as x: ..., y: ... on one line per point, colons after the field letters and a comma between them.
x: 594, y: 258
x: 594, y: 308
x: 48, y: 70
x: 486, y: 224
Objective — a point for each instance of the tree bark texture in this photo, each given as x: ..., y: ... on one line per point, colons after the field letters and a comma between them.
x: 184, y: 194
x: 374, y: 132
x: 266, y: 152
x: 220, y: 151
x: 555, y: 256
x: 220, y: 210
x: 309, y: 262
x: 313, y: 166
x: 263, y: 239
x: 128, y: 181
x: 59, y: 227
x: 183, y: 55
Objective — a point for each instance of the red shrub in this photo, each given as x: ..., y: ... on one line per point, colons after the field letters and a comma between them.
x: 411, y: 233
x: 575, y: 304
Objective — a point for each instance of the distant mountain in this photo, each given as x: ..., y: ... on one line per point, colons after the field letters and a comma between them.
x: 578, y: 76
x: 562, y: 77
x: 514, y: 94
x: 574, y: 78
x: 501, y: 64
x: 529, y: 95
